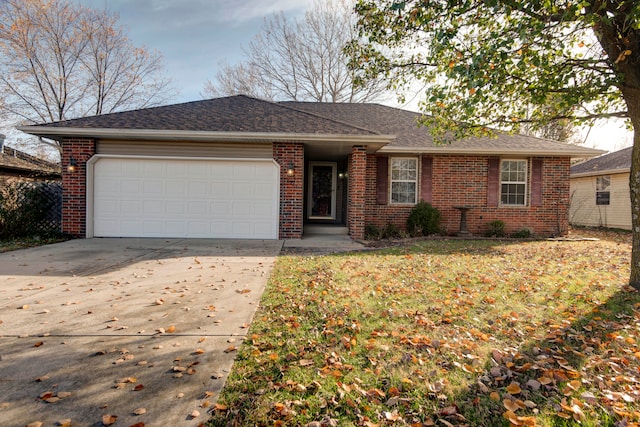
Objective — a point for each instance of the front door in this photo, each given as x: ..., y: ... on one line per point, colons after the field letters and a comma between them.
x: 321, y: 202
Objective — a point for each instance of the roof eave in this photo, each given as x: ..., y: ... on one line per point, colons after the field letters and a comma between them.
x: 573, y: 153
x: 601, y: 172
x: 59, y: 133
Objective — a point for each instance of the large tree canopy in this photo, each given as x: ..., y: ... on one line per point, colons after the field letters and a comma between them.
x: 505, y: 63
x: 61, y: 60
x: 300, y: 59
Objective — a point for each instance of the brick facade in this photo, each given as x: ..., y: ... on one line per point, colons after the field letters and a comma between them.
x: 291, y: 188
x: 356, y: 205
x: 455, y: 180
x: 463, y: 180
x: 74, y: 188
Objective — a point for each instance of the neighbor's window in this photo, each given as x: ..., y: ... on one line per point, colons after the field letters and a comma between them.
x: 603, y: 189
x: 513, y: 182
x: 404, y: 180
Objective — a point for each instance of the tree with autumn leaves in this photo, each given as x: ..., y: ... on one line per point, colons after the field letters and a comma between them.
x: 505, y: 64
x: 61, y: 60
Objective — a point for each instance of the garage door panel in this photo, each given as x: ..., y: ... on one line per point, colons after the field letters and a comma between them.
x: 185, y: 198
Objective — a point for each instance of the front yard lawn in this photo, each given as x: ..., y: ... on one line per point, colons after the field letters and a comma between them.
x: 443, y: 333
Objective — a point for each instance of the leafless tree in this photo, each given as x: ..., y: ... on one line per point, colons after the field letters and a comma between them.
x: 61, y: 60
x: 301, y: 60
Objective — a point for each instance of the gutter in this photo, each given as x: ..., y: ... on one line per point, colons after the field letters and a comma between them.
x: 58, y: 133
x: 601, y: 172
x: 583, y: 152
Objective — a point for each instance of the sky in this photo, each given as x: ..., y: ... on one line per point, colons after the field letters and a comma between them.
x: 196, y: 36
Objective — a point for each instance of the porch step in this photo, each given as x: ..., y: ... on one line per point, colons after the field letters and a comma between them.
x: 325, y: 229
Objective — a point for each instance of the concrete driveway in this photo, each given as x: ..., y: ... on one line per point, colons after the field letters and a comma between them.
x: 144, y: 330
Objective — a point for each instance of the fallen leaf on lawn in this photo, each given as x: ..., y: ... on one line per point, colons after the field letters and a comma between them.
x: 230, y: 349
x: 109, y: 419
x: 512, y: 405
x: 514, y: 388
x: 392, y: 416
x: 220, y: 407
x: 494, y: 396
x: 139, y: 411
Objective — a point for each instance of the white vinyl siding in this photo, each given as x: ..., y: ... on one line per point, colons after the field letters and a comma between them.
x: 584, y: 211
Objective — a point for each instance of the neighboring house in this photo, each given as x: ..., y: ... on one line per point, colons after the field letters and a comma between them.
x: 16, y: 165
x: 239, y: 167
x: 600, y: 191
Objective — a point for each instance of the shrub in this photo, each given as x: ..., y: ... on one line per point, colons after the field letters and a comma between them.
x: 524, y: 233
x: 424, y: 220
x: 391, y: 231
x: 372, y: 232
x: 496, y: 229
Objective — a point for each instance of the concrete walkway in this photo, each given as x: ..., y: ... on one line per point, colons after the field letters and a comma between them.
x: 144, y: 330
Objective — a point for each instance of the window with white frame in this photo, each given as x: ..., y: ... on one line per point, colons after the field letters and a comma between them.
x: 603, y: 190
x: 404, y: 180
x: 513, y: 182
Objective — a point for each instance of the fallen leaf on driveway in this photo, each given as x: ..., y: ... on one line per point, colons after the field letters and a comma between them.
x: 194, y: 414
x: 139, y: 411
x: 230, y: 349
x: 171, y: 329
x: 35, y: 424
x: 243, y: 291
x: 109, y: 419
x: 64, y: 423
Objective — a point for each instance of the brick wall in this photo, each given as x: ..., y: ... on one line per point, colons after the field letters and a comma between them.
x: 462, y: 180
x: 357, y: 192
x: 291, y: 188
x: 74, y: 185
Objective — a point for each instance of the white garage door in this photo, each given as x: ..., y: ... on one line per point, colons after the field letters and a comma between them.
x: 185, y: 198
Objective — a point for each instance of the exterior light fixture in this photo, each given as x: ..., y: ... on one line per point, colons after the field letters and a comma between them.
x: 73, y: 163
x: 290, y: 169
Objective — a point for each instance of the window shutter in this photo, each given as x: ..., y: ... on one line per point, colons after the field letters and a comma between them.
x: 382, y: 179
x: 426, y: 179
x: 536, y: 182
x: 493, y: 182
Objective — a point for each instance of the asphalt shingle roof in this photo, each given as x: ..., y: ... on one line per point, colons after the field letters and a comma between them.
x: 243, y: 114
x: 618, y: 160
x: 404, y: 124
x: 231, y: 114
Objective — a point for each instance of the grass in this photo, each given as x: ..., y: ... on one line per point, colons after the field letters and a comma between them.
x: 476, y: 333
x: 7, y: 245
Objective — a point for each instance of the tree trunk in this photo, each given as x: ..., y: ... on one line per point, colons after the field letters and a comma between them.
x: 632, y: 98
